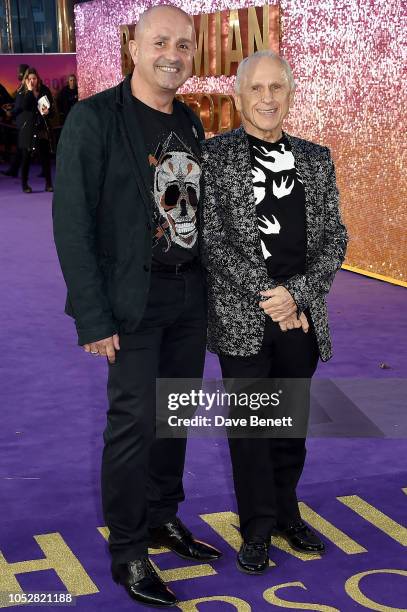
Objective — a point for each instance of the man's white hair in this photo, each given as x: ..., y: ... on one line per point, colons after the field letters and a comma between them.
x: 244, y: 64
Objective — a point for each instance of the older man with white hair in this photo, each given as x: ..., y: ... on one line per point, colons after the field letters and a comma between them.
x: 272, y: 242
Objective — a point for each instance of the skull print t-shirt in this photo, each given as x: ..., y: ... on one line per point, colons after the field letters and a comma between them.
x: 280, y: 207
x: 172, y: 147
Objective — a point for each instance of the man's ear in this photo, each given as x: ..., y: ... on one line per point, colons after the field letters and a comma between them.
x: 133, y: 49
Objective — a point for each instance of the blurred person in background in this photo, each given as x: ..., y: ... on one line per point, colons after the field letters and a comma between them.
x: 34, y: 133
x: 67, y: 97
x: 5, y: 100
x: 9, y: 115
x: 6, y: 103
x: 20, y: 76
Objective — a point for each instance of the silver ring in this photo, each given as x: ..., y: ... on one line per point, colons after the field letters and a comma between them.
x: 95, y: 352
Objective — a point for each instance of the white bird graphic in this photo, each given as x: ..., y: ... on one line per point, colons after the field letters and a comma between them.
x: 259, y: 193
x: 282, y: 190
x: 266, y: 253
x: 271, y: 227
x: 258, y: 175
x: 281, y: 161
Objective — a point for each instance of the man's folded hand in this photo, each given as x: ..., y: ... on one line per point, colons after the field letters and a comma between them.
x: 104, y: 348
x: 279, y: 305
x: 295, y: 322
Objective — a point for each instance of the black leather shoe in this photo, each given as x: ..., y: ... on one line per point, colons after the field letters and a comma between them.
x: 300, y: 537
x: 253, y: 557
x: 27, y: 189
x: 175, y: 536
x: 49, y: 188
x: 143, y: 584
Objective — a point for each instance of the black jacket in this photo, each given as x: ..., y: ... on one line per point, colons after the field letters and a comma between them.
x: 29, y: 121
x: 5, y: 98
x: 102, y: 211
x: 67, y: 98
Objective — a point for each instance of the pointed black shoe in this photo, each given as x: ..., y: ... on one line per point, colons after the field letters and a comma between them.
x: 27, y: 189
x: 175, y: 536
x: 253, y: 557
x: 143, y: 584
x: 300, y: 537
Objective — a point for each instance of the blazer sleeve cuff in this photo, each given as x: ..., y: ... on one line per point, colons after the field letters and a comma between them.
x: 297, y: 287
x: 88, y: 335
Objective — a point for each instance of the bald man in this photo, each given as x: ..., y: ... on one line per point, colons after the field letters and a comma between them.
x: 126, y: 207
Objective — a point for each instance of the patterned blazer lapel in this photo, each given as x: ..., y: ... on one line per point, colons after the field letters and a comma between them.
x: 306, y: 173
x: 240, y: 164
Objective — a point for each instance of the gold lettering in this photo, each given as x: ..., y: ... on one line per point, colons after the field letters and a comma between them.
x: 185, y: 573
x: 222, y: 37
x: 191, y: 605
x: 233, y: 55
x: 375, y: 517
x: 218, y: 43
x: 283, y: 545
x: 59, y: 557
x: 104, y: 532
x: 255, y: 40
x: 332, y: 533
x: 266, y: 29
x: 202, y: 46
x: 271, y: 597
x: 353, y: 590
x: 216, y: 111
x: 207, y: 112
x: 191, y: 100
x: 226, y: 113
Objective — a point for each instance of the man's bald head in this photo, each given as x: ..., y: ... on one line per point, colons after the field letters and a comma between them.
x: 158, y: 11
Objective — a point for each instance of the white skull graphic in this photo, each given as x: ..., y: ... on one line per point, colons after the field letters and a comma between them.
x: 176, y: 193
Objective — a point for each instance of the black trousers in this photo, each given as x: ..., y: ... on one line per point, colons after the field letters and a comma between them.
x: 44, y: 154
x: 141, y: 475
x: 266, y: 470
x: 15, y: 162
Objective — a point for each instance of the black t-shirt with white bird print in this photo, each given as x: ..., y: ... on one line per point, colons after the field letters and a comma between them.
x: 280, y: 207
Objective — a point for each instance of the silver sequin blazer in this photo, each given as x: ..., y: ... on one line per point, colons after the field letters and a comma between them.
x: 231, y: 249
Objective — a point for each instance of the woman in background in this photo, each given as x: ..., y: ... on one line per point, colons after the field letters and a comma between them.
x: 34, y: 133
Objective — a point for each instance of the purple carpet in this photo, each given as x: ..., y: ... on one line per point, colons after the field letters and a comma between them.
x: 53, y: 415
